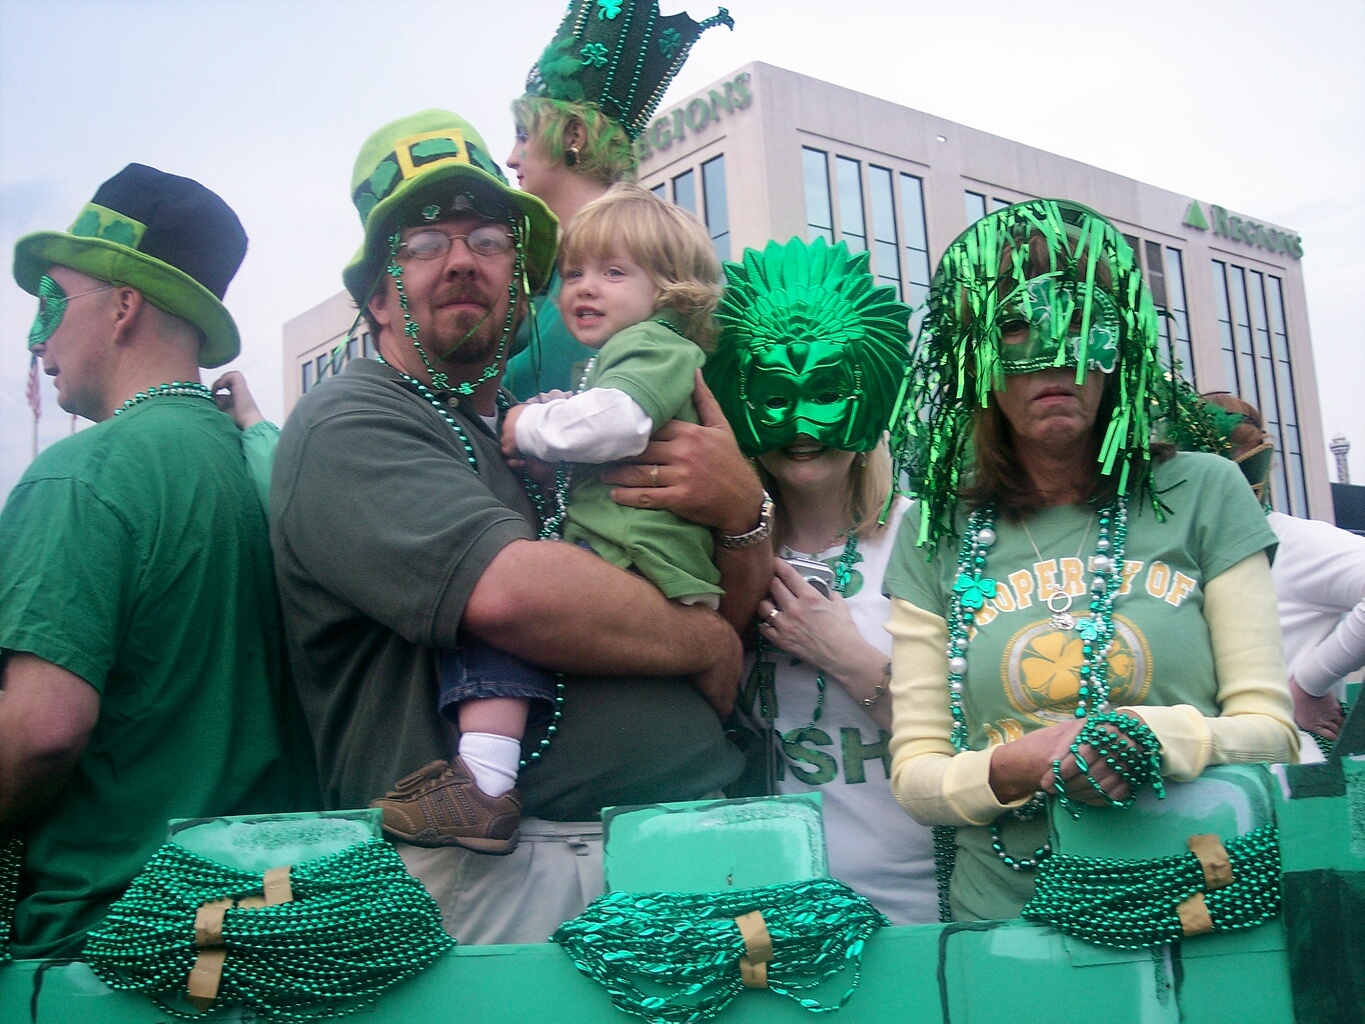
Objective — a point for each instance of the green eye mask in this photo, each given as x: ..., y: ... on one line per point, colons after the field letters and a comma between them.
x: 1061, y: 331
x: 51, y: 309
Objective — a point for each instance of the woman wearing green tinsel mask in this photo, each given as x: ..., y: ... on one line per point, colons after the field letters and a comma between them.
x: 806, y: 369
x: 1077, y: 613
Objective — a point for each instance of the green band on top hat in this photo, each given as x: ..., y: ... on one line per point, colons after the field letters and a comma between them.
x: 97, y: 221
x: 418, y: 154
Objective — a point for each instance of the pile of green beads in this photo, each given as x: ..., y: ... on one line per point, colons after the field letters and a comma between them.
x: 688, y: 946
x: 358, y: 924
x: 11, y: 856
x: 1132, y: 904
x: 1130, y: 749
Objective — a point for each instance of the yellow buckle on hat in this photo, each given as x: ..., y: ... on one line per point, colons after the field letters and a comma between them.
x: 402, y: 150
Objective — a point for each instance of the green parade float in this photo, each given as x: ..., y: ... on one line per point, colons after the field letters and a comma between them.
x: 1238, y: 896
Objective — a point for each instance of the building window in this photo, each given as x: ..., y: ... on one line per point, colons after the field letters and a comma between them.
x: 307, y: 376
x: 852, y: 221
x: 916, y: 239
x: 368, y: 345
x: 715, y: 205
x: 1220, y: 291
x: 1156, y: 272
x: 685, y: 191
x: 976, y: 206
x: 1176, y: 327
x: 887, y: 256
x: 661, y: 190
x: 1256, y: 360
x: 819, y: 211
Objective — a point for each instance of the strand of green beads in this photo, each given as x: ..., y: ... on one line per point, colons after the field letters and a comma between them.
x: 843, y: 572
x: 183, y: 388
x: 688, y: 944
x: 1132, y: 904
x: 11, y: 858
x: 358, y: 924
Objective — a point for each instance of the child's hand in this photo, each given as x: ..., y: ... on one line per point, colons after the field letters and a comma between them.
x: 237, y: 402
x: 510, y: 451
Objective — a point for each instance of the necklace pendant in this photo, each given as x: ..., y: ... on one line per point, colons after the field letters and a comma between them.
x: 1063, y: 621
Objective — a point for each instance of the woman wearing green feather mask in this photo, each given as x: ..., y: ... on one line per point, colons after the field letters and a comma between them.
x: 810, y: 356
x: 1077, y: 613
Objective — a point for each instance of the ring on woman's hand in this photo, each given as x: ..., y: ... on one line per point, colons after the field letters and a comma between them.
x: 654, y: 476
x: 772, y: 615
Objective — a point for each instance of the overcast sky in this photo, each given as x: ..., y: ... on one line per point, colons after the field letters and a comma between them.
x: 1258, y: 105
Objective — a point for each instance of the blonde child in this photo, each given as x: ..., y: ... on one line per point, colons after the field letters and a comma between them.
x: 640, y: 282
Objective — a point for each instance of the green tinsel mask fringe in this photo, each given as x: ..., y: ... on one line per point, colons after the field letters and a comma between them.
x: 1132, y: 904
x: 358, y: 924
x: 956, y: 362
x: 687, y: 946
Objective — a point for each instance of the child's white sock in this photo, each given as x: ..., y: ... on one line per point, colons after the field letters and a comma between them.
x: 493, y: 760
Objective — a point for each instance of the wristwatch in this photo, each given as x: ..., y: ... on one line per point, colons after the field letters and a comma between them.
x: 761, y: 532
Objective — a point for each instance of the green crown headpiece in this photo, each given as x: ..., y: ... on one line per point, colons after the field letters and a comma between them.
x: 618, y: 54
x: 981, y: 284
x: 808, y: 344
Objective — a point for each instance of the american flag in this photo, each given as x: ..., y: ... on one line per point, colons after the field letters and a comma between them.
x: 34, y: 392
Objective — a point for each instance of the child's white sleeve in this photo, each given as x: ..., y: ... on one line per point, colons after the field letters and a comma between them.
x: 597, y: 425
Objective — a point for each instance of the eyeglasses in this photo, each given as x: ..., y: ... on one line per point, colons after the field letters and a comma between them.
x: 432, y: 244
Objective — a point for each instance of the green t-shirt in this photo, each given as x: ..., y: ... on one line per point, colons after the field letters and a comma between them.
x: 656, y: 368
x: 134, y: 554
x: 1022, y: 673
x: 381, y: 530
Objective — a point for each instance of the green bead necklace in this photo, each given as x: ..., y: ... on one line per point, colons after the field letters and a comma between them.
x: 1132, y: 904
x: 675, y: 957
x: 357, y: 925
x: 11, y: 859
x: 183, y: 388
x: 970, y: 592
x: 843, y: 572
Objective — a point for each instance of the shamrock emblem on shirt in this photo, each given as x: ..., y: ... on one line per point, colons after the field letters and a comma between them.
x: 609, y: 9
x: 669, y: 41
x: 972, y: 593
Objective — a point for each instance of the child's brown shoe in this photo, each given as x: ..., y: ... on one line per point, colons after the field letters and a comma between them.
x: 441, y: 805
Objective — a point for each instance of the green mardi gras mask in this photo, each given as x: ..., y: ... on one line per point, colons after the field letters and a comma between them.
x: 1066, y: 273
x: 52, y: 303
x: 51, y: 309
x: 1047, y: 308
x: 808, y: 345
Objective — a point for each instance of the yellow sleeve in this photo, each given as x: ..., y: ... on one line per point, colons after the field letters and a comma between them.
x: 1256, y: 720
x: 935, y: 784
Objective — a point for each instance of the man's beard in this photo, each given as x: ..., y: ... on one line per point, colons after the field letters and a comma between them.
x: 465, y: 338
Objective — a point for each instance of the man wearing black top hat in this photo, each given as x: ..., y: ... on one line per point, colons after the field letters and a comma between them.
x: 140, y: 642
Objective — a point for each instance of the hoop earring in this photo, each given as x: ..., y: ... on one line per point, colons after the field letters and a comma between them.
x: 571, y: 156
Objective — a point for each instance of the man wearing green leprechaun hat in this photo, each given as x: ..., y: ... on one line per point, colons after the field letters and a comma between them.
x: 140, y: 644
x: 400, y: 532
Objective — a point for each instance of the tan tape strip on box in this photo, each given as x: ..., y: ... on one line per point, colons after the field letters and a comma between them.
x: 758, y: 949
x: 277, y: 887
x: 205, y: 977
x: 1194, y: 915
x: 207, y: 973
x: 1213, y: 858
x: 208, y: 923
